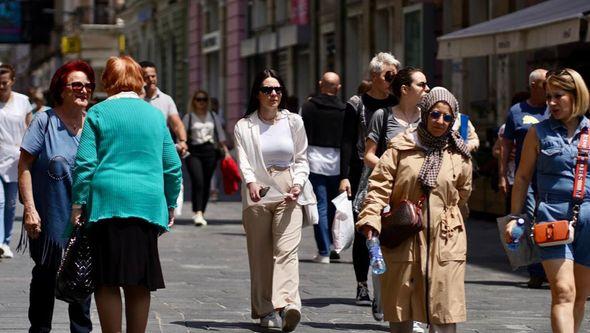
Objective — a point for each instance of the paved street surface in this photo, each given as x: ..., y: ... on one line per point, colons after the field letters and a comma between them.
x: 206, y: 273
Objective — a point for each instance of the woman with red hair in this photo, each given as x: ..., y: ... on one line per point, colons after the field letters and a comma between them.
x: 127, y: 176
x: 47, y: 156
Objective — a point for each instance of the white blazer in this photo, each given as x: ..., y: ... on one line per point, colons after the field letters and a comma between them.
x: 251, y: 162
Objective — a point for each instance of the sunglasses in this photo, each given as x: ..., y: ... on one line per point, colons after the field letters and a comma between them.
x: 201, y: 99
x: 77, y: 86
x: 268, y: 90
x: 389, y: 76
x: 446, y: 117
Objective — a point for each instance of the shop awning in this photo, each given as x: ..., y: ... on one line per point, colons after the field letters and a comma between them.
x: 549, y: 23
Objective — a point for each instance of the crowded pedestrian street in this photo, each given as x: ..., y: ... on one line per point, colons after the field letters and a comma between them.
x: 207, y: 285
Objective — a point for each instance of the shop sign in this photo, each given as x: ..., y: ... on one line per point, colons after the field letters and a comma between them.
x: 70, y: 44
x: 300, y: 12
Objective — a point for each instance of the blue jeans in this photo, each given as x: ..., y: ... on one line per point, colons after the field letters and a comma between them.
x: 8, y: 193
x: 325, y: 189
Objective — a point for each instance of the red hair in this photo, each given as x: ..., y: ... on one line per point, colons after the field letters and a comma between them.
x: 122, y: 74
x: 60, y: 78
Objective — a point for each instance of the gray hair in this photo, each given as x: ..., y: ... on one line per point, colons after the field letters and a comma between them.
x: 380, y: 59
x: 537, y: 74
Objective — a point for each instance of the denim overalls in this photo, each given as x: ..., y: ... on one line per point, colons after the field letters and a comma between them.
x: 555, y: 183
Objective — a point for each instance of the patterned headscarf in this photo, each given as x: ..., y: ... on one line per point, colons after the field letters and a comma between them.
x: 436, y: 145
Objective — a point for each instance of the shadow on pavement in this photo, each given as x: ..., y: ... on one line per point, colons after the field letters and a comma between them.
x: 207, y: 325
x: 522, y: 285
x: 346, y: 326
x: 324, y: 302
x: 209, y: 222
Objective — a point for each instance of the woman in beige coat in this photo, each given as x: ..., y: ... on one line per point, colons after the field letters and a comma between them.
x: 434, y: 162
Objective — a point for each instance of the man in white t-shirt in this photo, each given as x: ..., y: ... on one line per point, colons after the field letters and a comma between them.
x: 15, y: 116
x: 164, y: 103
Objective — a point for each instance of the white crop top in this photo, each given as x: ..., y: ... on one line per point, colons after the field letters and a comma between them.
x: 276, y: 143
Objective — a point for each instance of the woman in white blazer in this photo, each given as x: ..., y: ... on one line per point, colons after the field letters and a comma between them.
x: 272, y: 155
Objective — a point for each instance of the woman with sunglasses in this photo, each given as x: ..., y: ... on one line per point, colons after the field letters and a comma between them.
x: 551, y: 147
x: 424, y: 280
x: 206, y: 138
x: 408, y: 86
x: 47, y: 156
x: 272, y: 155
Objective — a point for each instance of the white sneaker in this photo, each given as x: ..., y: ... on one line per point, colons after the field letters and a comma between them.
x: 417, y: 328
x: 6, y: 252
x: 270, y: 321
x: 199, y: 220
x: 319, y: 259
x: 290, y: 316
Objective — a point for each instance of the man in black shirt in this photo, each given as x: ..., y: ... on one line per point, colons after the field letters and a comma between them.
x: 359, y: 111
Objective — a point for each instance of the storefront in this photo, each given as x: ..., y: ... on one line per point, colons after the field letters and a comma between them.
x: 550, y: 34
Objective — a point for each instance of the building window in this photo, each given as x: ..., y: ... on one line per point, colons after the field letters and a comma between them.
x: 211, y: 14
x: 413, y: 36
x: 281, y: 11
x: 259, y: 15
x: 383, y: 27
x: 102, y: 12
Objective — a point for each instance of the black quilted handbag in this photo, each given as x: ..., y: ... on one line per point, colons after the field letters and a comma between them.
x: 75, y: 277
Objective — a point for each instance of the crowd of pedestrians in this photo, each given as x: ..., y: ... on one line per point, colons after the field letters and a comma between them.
x: 115, y: 167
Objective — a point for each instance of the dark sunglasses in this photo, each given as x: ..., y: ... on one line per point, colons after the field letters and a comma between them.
x: 446, y: 117
x: 79, y: 85
x: 268, y: 90
x: 201, y: 99
x: 389, y: 76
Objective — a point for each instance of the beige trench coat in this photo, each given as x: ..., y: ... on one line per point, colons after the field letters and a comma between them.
x: 403, y: 287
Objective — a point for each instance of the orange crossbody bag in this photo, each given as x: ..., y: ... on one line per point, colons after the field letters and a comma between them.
x: 562, y: 232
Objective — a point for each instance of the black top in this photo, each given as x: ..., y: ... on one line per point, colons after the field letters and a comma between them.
x: 355, y: 129
x: 323, y: 117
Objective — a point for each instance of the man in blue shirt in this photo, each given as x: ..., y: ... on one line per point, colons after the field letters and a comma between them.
x: 521, y: 117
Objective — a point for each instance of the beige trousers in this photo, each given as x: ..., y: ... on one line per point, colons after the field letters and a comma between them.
x: 273, y: 234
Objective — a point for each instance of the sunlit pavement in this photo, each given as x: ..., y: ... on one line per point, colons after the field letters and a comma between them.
x: 207, y: 285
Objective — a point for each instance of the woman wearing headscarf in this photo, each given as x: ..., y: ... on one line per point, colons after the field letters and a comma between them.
x: 425, y: 274
x: 45, y: 166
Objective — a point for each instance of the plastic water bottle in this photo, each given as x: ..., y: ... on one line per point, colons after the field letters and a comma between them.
x: 377, y: 262
x: 516, y: 235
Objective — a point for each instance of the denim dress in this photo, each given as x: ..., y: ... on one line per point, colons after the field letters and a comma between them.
x: 555, y: 183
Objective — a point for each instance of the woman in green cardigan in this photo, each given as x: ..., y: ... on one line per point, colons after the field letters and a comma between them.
x: 127, y: 177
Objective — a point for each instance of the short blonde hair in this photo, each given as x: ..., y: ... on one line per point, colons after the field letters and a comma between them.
x: 122, y: 74
x: 572, y: 82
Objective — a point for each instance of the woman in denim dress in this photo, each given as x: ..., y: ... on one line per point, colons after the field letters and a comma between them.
x: 551, y: 147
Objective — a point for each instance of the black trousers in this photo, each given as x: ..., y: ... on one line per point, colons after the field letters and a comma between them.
x: 360, y: 253
x: 201, y: 165
x: 42, y: 299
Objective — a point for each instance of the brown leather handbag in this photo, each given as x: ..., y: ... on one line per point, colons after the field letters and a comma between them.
x: 404, y: 222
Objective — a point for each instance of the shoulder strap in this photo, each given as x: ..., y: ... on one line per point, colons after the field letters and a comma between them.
x: 580, y: 172
x: 215, y: 133
x: 464, y: 128
x: 382, y: 144
x: 581, y: 166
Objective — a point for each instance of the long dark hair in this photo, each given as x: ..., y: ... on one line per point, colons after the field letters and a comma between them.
x: 403, y: 78
x: 254, y: 103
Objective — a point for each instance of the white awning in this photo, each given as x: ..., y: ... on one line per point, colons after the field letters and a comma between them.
x: 549, y: 23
